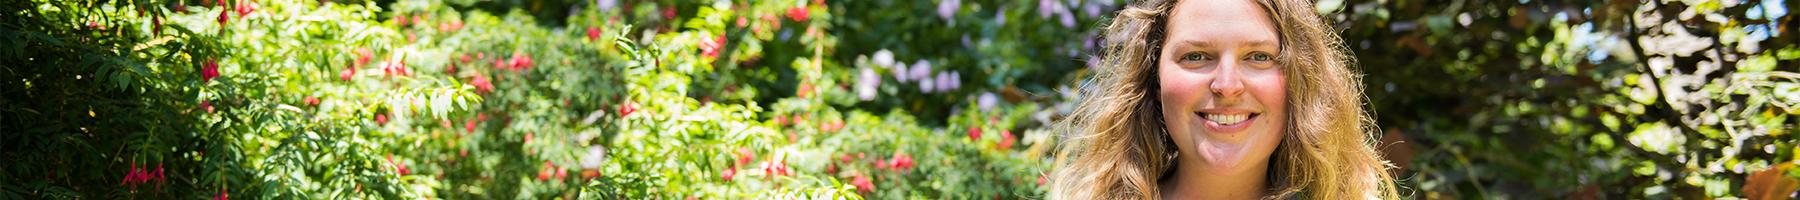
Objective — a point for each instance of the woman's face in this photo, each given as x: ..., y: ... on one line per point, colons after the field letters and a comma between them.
x: 1222, y: 94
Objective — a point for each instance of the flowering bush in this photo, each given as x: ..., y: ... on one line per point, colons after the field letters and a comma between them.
x: 881, y: 99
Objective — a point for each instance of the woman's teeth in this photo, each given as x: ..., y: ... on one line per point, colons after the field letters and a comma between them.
x: 1225, y: 119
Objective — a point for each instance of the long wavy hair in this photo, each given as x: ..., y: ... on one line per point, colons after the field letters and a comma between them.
x: 1115, y: 145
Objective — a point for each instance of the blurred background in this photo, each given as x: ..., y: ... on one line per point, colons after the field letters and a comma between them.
x: 882, y: 99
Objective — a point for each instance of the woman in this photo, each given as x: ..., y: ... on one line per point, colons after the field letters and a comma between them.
x: 1221, y: 99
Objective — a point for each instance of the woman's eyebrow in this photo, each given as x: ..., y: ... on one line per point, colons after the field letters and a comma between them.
x: 1250, y: 44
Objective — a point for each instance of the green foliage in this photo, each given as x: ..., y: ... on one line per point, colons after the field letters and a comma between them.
x: 814, y: 99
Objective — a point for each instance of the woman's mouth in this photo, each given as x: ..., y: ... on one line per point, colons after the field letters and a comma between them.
x: 1228, y: 123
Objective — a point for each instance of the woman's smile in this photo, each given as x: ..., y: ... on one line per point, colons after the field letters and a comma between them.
x: 1226, y: 121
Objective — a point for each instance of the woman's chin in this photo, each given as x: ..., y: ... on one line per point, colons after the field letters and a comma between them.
x: 1222, y: 157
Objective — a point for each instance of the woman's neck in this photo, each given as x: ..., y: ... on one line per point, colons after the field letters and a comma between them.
x: 1191, y: 182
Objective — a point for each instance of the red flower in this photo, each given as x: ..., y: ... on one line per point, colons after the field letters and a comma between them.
x: 245, y: 7
x: 776, y: 168
x: 862, y: 184
x: 470, y: 126
x: 224, y: 15
x: 625, y: 109
x: 710, y: 49
x: 399, y: 168
x: 974, y: 133
x: 223, y: 195
x: 744, y: 156
x: 381, y: 119
x: 528, y: 137
x: 797, y: 13
x: 668, y: 13
x: 348, y: 72
x: 362, y: 56
x: 728, y: 174
x: 1040, y: 180
x: 593, y: 33
x: 209, y: 70
x: 311, y: 101
x: 1006, y: 139
x: 206, y: 105
x: 901, y: 162
x: 482, y: 85
x: 544, y: 174
x: 521, y: 61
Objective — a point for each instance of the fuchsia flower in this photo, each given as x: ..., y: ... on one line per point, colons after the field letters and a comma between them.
x: 381, y: 119
x: 224, y: 15
x: 209, y: 70
x: 346, y: 74
x: 470, y: 126
x: 625, y: 109
x: 521, y: 61
x: 798, y: 13
x: 1006, y: 139
x: 745, y: 156
x: 482, y: 84
x: 224, y: 195
x: 729, y: 172
x: 399, y: 168
x: 245, y: 7
x: 901, y: 162
x: 544, y: 174
x: 776, y: 168
x: 362, y: 56
x: 593, y: 33
x: 863, y: 185
x: 974, y: 133
x: 206, y: 105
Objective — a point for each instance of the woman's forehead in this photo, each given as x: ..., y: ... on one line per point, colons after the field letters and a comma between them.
x: 1219, y: 21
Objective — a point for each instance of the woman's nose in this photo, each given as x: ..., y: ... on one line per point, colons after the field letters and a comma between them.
x: 1227, y: 82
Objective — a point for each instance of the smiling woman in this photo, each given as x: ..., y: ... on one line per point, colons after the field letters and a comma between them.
x: 1258, y: 95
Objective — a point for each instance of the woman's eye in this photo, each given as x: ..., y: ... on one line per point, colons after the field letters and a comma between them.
x: 1195, y: 57
x: 1261, y: 57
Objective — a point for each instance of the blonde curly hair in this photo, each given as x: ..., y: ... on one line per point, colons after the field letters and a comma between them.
x: 1115, y: 145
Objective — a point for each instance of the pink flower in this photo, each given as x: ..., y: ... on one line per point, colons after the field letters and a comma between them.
x: 745, y: 156
x: 974, y: 133
x: 625, y: 109
x: 593, y: 33
x: 223, y: 195
x: 311, y: 101
x: 544, y: 174
x: 728, y: 174
x: 206, y: 105
x: 901, y: 162
x: 470, y: 126
x: 482, y: 85
x: 521, y: 61
x: 245, y: 7
x: 863, y: 185
x: 348, y: 72
x: 798, y: 13
x: 381, y: 119
x: 362, y: 56
x: 1006, y: 139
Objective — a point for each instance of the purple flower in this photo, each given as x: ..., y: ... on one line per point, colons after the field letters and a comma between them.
x: 944, y: 83
x: 955, y: 80
x: 1046, y: 7
x: 1092, y: 9
x: 1000, y: 17
x: 900, y: 73
x: 606, y: 5
x: 920, y: 70
x: 947, y: 9
x: 866, y: 84
x: 986, y: 101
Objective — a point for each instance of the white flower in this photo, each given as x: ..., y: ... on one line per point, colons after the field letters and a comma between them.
x: 884, y: 58
x: 866, y: 83
x: 595, y: 156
